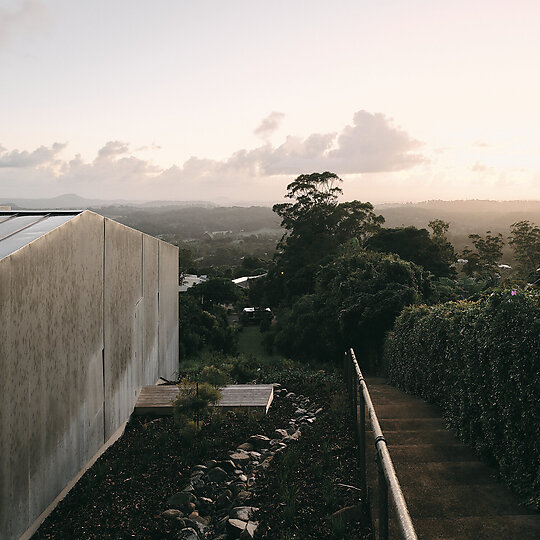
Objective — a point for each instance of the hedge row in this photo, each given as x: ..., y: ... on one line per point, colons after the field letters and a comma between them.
x: 481, y: 363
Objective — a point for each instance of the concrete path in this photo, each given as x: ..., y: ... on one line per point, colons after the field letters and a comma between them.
x: 450, y: 494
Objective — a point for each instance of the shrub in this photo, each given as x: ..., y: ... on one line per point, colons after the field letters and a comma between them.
x: 480, y: 361
x: 213, y: 376
x: 192, y: 405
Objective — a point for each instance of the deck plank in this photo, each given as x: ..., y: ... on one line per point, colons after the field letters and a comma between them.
x: 158, y: 399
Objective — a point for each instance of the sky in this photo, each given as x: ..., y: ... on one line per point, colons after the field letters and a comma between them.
x: 405, y: 100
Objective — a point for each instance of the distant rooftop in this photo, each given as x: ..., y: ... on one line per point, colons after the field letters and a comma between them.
x: 19, y: 228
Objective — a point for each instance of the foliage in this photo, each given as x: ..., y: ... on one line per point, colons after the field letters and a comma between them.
x: 480, y: 362
x: 483, y: 262
x: 213, y: 376
x: 191, y: 405
x: 316, y: 225
x: 216, y: 291
x: 203, y: 327
x: 525, y: 241
x: 356, y: 300
x: 415, y: 245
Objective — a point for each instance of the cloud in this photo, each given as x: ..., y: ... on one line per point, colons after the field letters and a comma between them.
x: 269, y: 124
x: 479, y: 167
x: 112, y: 149
x: 371, y: 144
x: 28, y: 15
x: 40, y: 156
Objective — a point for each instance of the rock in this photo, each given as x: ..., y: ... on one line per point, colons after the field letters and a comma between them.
x: 235, y: 527
x: 245, y: 513
x: 240, y: 458
x: 211, y: 463
x: 243, y: 478
x: 204, y: 504
x: 216, y: 474
x: 204, y: 521
x: 227, y: 465
x: 280, y: 433
x: 188, y: 534
x: 224, y: 499
x: 294, y: 437
x: 197, y: 483
x: 266, y: 463
x: 290, y: 395
x: 276, y: 385
x: 172, y: 513
x: 259, y: 441
x: 247, y: 447
x: 237, y: 487
x: 299, y: 412
x: 193, y: 515
x: 200, y: 468
x: 180, y: 500
x: 249, y: 532
x: 244, y: 496
x: 190, y: 507
x: 255, y: 455
x: 198, y: 524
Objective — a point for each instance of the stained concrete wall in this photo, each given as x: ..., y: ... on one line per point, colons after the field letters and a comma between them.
x: 80, y: 319
x: 168, y: 304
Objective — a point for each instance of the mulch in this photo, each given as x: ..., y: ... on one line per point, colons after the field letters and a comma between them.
x: 125, y: 492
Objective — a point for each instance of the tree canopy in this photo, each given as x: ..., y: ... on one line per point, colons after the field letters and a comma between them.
x: 525, y: 241
x: 416, y: 245
x: 316, y: 226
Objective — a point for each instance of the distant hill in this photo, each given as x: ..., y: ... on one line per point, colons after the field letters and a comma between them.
x: 73, y: 201
x: 464, y: 217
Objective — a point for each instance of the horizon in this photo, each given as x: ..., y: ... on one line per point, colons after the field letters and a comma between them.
x: 405, y: 102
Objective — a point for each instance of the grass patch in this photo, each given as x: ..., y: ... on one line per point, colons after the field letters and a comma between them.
x: 250, y: 343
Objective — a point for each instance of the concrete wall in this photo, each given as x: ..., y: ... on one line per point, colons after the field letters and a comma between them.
x: 80, y: 332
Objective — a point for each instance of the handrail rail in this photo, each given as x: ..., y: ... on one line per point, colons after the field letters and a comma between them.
x: 388, y: 480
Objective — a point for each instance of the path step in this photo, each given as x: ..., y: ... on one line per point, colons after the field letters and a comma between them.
x: 449, y: 492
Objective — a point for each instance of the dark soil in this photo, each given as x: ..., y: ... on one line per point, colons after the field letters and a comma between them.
x: 125, y: 492
x: 301, y: 491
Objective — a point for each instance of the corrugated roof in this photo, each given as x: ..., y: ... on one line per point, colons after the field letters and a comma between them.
x: 18, y: 228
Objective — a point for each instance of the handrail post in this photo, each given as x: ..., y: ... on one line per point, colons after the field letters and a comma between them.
x: 383, y: 501
x: 355, y: 403
x: 361, y: 426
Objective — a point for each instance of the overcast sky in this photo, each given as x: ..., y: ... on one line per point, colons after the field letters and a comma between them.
x: 406, y: 100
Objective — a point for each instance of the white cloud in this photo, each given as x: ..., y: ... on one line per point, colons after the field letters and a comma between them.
x: 39, y: 157
x: 371, y: 144
x: 269, y: 124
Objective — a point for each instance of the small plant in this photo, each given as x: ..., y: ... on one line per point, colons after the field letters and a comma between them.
x: 192, y: 405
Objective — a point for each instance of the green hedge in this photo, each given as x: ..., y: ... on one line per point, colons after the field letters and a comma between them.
x: 480, y: 361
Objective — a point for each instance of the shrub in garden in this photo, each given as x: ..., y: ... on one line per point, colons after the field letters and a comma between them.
x: 193, y: 405
x: 480, y: 361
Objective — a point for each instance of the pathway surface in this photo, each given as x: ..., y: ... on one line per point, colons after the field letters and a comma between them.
x: 450, y: 494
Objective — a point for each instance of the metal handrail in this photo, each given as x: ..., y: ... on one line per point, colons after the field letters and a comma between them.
x: 388, y: 481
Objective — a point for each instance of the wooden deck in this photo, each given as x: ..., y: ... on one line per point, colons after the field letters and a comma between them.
x: 158, y: 400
